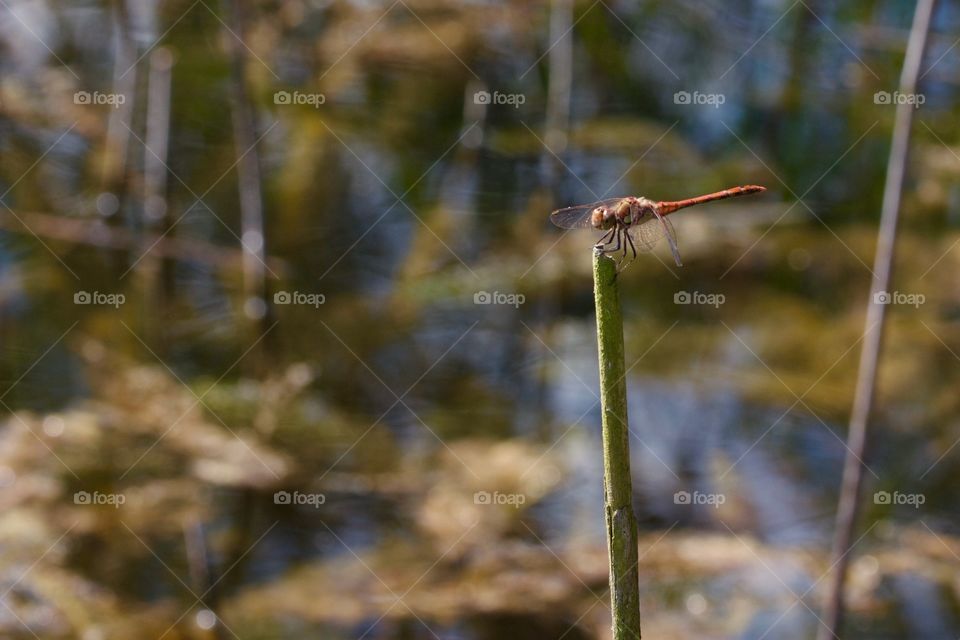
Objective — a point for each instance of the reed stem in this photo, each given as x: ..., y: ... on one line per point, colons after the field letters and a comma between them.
x: 618, y: 490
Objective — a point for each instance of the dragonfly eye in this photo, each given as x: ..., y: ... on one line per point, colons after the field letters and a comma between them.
x: 597, y: 217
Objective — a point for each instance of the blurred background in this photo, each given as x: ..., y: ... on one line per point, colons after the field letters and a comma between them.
x: 289, y: 347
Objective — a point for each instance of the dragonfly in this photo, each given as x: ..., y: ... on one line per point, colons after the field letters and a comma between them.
x: 636, y: 223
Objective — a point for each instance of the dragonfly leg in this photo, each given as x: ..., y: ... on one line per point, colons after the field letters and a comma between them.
x: 624, y: 263
x: 632, y: 247
x: 622, y: 239
x: 617, y: 234
x: 606, y: 239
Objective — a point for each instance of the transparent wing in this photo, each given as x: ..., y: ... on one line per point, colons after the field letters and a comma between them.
x: 646, y: 235
x: 578, y: 217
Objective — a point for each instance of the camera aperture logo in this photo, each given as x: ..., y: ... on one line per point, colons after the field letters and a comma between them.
x: 896, y: 98
x: 511, y: 499
x: 512, y: 299
x: 96, y: 297
x: 897, y: 297
x: 711, y: 99
x: 96, y: 498
x: 298, y: 297
x: 897, y: 498
x: 698, y: 297
x: 98, y: 98
x: 297, y: 498
x: 712, y: 499
x: 512, y: 99
x: 299, y: 98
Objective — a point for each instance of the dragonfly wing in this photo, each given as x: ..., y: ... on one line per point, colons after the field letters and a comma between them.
x: 573, y: 217
x: 647, y: 234
x: 579, y: 217
x: 671, y: 237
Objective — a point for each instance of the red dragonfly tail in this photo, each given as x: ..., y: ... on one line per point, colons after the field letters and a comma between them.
x: 669, y: 207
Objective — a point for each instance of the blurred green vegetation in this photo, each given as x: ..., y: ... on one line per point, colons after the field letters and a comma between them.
x: 398, y: 398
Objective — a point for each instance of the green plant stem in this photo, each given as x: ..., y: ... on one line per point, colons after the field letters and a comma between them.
x: 618, y: 490
x: 858, y: 434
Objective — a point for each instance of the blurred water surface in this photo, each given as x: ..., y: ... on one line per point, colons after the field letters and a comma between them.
x: 388, y: 427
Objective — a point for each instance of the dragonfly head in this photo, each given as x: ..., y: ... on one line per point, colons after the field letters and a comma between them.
x: 603, y: 218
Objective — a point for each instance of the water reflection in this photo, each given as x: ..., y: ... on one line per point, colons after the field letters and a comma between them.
x: 424, y: 387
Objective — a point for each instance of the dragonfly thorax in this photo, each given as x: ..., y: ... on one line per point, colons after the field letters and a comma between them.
x: 626, y: 212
